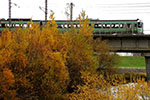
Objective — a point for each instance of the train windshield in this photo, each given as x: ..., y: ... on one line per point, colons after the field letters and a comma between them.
x: 139, y: 25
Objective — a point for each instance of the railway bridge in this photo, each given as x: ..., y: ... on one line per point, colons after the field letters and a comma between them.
x: 130, y: 43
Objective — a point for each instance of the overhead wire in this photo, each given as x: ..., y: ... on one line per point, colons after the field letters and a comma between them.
x: 126, y: 8
x: 148, y: 3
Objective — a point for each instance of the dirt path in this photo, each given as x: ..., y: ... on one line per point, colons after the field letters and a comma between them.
x: 132, y: 70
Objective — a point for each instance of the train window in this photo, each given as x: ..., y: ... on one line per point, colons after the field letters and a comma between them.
x: 116, y: 25
x: 128, y: 25
x: 65, y: 26
x: 108, y: 25
x: 59, y: 26
x: 69, y: 25
x: 79, y: 25
x: 7, y: 25
x: 29, y: 25
x: 12, y: 25
x: 95, y: 25
x: 25, y: 25
x: 104, y: 26
x: 135, y: 25
x: 113, y: 26
x: 62, y: 26
x: 99, y: 25
x: 16, y: 25
x: 74, y: 25
x: 22, y: 25
x: 121, y: 25
x: 139, y: 25
x: 3, y: 25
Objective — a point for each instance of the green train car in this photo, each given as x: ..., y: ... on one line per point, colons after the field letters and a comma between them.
x: 99, y: 26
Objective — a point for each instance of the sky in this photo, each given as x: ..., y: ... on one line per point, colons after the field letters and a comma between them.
x: 95, y: 9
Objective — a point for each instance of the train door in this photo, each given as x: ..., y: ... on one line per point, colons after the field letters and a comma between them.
x: 135, y: 28
x: 121, y: 26
x: 140, y: 26
x: 3, y: 25
x: 129, y: 28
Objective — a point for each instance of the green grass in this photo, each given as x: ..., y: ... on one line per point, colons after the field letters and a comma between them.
x: 132, y: 62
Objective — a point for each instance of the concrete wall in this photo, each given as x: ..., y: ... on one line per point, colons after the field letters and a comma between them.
x: 128, y: 43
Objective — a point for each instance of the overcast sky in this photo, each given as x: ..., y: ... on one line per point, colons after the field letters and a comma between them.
x: 101, y: 9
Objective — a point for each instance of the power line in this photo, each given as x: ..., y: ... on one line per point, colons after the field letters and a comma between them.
x: 129, y: 12
x: 148, y: 3
x: 123, y: 10
x: 126, y: 6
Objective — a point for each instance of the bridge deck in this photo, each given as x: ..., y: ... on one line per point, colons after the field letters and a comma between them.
x: 127, y: 43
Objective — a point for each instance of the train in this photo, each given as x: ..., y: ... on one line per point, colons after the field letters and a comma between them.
x: 100, y: 27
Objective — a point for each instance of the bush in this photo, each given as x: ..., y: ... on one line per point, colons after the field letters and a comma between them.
x: 35, y: 61
x: 45, y: 64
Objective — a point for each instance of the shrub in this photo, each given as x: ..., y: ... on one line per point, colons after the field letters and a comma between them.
x: 45, y: 64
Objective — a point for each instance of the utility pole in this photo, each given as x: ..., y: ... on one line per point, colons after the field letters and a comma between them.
x: 9, y: 12
x: 45, y: 10
x: 71, y: 10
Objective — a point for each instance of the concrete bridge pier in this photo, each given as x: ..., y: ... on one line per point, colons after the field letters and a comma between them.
x: 147, y: 61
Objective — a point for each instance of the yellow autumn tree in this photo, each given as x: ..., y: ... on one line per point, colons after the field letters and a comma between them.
x: 7, y: 84
x: 35, y: 60
x: 42, y: 63
x: 81, y: 55
x: 48, y: 72
x: 95, y: 88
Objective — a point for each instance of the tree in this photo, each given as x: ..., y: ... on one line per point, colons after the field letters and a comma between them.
x: 35, y: 61
x: 80, y: 56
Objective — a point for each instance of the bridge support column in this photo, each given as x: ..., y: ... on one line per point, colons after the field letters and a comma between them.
x: 147, y: 61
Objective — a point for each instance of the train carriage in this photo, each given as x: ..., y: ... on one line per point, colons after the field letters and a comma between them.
x: 107, y: 26
x: 99, y: 26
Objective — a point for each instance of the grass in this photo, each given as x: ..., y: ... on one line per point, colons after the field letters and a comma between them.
x: 132, y: 62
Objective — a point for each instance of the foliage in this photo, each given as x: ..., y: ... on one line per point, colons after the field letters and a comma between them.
x: 36, y: 61
x: 7, y: 84
x: 92, y: 90
x: 136, y: 91
x: 42, y: 63
x: 106, y: 60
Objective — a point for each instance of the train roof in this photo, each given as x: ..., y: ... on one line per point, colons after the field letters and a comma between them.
x: 25, y: 20
x: 100, y: 21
